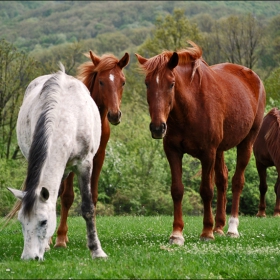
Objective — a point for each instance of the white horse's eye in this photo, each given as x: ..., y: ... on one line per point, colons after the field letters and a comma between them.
x: 43, y: 223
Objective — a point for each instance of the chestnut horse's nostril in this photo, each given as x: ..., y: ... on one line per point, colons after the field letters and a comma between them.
x: 158, y: 131
x: 114, y: 118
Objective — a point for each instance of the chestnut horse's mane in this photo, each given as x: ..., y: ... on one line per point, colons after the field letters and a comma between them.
x: 88, y: 70
x: 156, y: 64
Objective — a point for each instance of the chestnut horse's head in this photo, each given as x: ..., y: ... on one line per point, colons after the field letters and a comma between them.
x: 105, y: 80
x: 160, y: 83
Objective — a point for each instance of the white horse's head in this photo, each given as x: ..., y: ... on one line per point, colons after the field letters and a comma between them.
x: 38, y: 225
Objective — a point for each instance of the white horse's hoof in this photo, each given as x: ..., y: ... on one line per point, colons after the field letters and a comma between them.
x: 99, y: 253
x: 233, y: 234
x: 177, y: 239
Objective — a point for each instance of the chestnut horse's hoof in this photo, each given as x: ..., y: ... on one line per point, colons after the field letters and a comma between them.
x: 277, y: 214
x: 99, y: 253
x: 261, y: 214
x: 219, y: 232
x: 176, y: 239
x: 207, y: 236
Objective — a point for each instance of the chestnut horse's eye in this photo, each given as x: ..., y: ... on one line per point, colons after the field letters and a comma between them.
x: 146, y: 84
x: 101, y: 83
x: 123, y: 84
x: 172, y: 85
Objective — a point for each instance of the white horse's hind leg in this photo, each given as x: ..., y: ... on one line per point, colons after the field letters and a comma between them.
x: 232, y: 227
x: 88, y: 214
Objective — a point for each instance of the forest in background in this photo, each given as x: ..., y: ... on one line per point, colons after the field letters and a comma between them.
x: 135, y: 178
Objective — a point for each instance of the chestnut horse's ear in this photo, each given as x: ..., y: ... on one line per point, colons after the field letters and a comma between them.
x: 124, y: 60
x: 141, y: 59
x: 95, y: 59
x: 173, y: 61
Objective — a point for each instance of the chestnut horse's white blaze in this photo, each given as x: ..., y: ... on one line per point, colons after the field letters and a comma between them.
x: 58, y: 131
x: 112, y: 77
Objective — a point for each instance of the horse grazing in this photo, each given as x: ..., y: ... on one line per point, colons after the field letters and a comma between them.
x: 267, y: 153
x: 203, y: 111
x: 58, y: 131
x: 105, y: 80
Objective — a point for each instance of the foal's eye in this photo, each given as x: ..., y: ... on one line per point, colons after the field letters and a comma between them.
x: 146, y: 84
x: 101, y: 83
x: 172, y: 85
x: 123, y: 84
x: 43, y: 223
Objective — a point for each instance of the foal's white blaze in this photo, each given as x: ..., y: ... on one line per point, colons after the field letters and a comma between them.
x: 112, y: 77
x: 232, y: 227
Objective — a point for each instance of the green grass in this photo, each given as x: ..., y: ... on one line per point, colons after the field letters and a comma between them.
x: 137, y: 247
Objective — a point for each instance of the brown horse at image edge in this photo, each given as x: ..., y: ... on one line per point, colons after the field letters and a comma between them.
x: 104, y: 78
x: 203, y: 111
x: 267, y: 153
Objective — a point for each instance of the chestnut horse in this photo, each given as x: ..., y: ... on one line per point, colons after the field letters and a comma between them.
x: 267, y: 154
x: 104, y: 78
x: 203, y: 111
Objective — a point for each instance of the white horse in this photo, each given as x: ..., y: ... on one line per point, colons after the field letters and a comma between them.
x: 58, y: 131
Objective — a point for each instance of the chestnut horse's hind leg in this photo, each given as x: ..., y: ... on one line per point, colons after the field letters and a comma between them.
x: 244, y: 150
x: 221, y: 180
x: 277, y: 192
x: 262, y: 188
x: 66, y: 198
x: 177, y: 192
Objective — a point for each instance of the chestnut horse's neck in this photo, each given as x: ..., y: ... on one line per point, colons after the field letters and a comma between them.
x: 97, y: 97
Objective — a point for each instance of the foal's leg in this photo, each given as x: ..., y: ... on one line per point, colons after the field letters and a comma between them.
x: 177, y: 192
x: 66, y: 198
x: 262, y: 187
x: 221, y: 180
x: 244, y: 150
x: 277, y: 192
x: 88, y: 214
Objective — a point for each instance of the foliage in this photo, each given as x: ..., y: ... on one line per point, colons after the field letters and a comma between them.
x: 138, y: 248
x: 16, y: 71
x: 170, y: 33
x: 272, y: 87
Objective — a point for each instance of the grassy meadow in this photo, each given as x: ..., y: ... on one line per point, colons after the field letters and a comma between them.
x: 138, y: 248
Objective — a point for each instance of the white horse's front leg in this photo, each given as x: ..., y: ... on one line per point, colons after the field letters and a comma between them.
x: 232, y: 227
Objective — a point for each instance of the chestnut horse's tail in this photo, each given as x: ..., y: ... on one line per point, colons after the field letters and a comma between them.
x: 272, y: 136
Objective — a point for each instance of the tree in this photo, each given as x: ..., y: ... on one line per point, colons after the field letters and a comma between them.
x: 238, y: 39
x: 170, y: 33
x: 16, y: 72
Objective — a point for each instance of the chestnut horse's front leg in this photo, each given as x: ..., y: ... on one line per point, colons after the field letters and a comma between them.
x: 207, y: 193
x: 277, y: 192
x: 177, y: 192
x: 221, y: 180
x: 66, y: 198
x: 262, y: 188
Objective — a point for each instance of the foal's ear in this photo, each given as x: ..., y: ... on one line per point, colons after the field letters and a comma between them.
x: 124, y: 60
x: 173, y: 61
x: 141, y: 59
x: 17, y: 193
x: 94, y: 58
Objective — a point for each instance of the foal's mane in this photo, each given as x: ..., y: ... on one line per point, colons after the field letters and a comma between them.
x: 87, y: 70
x: 156, y: 64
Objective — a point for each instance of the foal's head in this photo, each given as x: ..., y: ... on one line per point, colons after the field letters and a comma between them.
x: 105, y: 80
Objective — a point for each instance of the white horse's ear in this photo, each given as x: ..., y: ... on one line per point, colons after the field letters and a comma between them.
x: 44, y: 194
x: 17, y: 193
